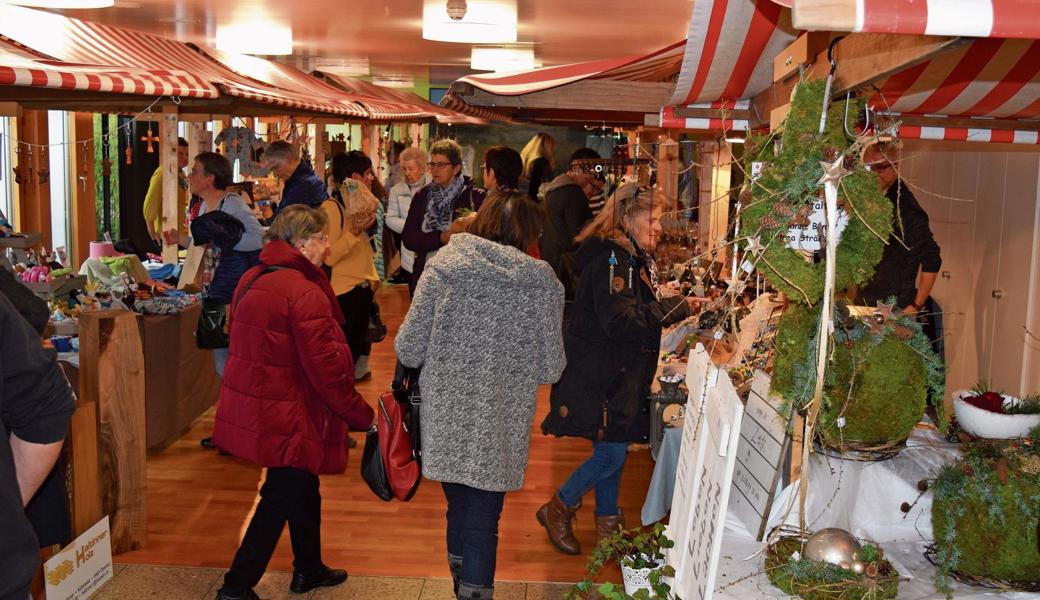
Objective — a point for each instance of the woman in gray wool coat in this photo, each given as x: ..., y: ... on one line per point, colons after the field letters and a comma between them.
x: 485, y: 326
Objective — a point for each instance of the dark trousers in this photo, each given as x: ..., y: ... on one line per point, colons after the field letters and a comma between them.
x: 288, y: 496
x: 473, y: 531
x: 357, y: 310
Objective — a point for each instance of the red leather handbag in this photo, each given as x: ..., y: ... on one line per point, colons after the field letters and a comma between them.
x: 390, y: 463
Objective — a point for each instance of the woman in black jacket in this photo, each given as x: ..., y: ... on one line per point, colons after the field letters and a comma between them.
x: 612, y: 343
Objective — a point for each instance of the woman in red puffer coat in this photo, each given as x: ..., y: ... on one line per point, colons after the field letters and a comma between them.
x: 287, y: 399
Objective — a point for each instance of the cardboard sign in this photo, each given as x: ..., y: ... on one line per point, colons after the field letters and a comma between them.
x: 706, y: 462
x: 806, y: 238
x: 760, y: 457
x: 82, y: 567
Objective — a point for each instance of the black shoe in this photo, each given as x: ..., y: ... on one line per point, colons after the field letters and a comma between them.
x: 301, y: 584
x: 250, y: 595
x: 207, y: 443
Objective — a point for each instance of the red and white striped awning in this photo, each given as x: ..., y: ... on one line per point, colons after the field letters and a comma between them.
x: 729, y: 50
x: 969, y: 18
x: 963, y: 134
x: 722, y: 124
x: 661, y: 65
x: 89, y: 43
x: 21, y: 67
x: 385, y: 104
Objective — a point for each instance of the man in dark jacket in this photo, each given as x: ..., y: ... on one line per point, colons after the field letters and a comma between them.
x: 302, y: 184
x: 911, y: 246
x: 431, y: 216
x: 35, y: 406
x: 567, y: 206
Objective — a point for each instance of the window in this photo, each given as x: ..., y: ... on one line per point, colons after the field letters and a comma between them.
x: 6, y: 169
x: 58, y: 155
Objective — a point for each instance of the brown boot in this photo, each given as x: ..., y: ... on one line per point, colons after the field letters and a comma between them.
x: 558, y: 518
x: 608, y: 525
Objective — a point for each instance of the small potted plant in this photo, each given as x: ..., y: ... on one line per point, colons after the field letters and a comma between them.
x: 641, y: 555
x: 986, y: 413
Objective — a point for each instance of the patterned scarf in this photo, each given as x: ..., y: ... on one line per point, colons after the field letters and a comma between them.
x: 649, y: 264
x: 439, y: 211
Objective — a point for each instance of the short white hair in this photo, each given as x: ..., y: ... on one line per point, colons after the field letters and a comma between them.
x: 416, y: 154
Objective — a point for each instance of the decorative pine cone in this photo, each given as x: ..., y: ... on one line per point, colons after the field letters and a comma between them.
x: 902, y: 331
x: 770, y: 222
x: 784, y: 209
x: 830, y: 153
x: 745, y: 196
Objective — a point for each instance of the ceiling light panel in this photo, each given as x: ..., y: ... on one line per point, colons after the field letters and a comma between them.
x: 484, y: 21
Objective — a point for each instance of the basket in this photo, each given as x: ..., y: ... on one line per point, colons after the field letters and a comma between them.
x: 861, y: 451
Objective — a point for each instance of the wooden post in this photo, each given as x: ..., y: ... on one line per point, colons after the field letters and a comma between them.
x: 171, y: 179
x: 668, y: 165
x: 34, y: 192
x: 84, y: 191
x: 714, y: 183
x: 320, y: 139
x: 112, y: 377
x: 196, y: 133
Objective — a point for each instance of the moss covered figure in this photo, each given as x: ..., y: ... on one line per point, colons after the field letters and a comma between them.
x: 986, y: 512
x: 876, y: 369
x: 790, y: 183
x: 813, y: 580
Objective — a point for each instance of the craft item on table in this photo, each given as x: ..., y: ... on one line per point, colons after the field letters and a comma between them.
x: 837, y: 547
x: 167, y: 304
x: 988, y: 414
x: 814, y: 576
x: 62, y: 343
x: 99, y: 249
x: 108, y: 270
x: 36, y: 275
x: 985, y: 516
x: 241, y: 144
x: 162, y: 272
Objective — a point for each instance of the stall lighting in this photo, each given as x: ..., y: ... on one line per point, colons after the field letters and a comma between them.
x: 63, y: 4
x: 353, y: 67
x: 501, y: 59
x: 394, y: 81
x: 257, y: 36
x: 484, y: 22
x: 735, y: 140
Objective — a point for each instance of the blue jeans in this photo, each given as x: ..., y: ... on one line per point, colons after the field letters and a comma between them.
x: 473, y: 531
x: 601, y: 471
x: 220, y: 356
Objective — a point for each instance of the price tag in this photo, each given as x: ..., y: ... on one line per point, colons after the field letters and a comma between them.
x: 718, y: 334
x: 748, y: 267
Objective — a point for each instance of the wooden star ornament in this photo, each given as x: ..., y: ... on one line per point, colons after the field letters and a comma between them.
x: 754, y: 246
x: 885, y: 310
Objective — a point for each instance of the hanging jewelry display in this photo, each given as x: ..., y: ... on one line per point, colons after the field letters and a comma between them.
x: 129, y: 145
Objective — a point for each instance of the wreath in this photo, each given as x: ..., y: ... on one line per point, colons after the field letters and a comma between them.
x: 787, y: 188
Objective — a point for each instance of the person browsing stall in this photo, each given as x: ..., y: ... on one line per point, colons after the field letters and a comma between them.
x: 428, y: 226
x: 301, y: 184
x: 567, y: 204
x: 612, y: 343
x: 484, y: 312
x: 911, y: 260
x: 415, y: 177
x: 287, y: 399
x: 539, y: 162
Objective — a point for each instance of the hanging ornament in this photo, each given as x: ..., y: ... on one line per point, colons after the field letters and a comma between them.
x: 20, y: 167
x: 129, y: 145
x: 150, y: 139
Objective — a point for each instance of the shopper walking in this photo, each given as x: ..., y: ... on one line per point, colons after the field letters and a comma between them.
x: 436, y: 206
x: 539, y: 162
x: 485, y: 328
x: 354, y: 279
x: 612, y: 344
x: 287, y: 399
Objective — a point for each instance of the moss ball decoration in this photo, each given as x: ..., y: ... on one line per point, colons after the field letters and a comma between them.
x: 789, y: 184
x: 986, y: 513
x: 820, y: 581
x: 877, y: 381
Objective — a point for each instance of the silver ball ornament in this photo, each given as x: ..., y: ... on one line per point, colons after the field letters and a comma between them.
x: 837, y: 547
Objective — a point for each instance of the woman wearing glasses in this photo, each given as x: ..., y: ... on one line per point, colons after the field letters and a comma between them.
x: 436, y: 206
x: 353, y: 272
x: 612, y: 343
x: 287, y: 399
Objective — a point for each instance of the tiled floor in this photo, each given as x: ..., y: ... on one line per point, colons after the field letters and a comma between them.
x: 180, y: 583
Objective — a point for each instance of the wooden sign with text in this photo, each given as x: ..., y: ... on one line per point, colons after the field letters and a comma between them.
x: 763, y: 445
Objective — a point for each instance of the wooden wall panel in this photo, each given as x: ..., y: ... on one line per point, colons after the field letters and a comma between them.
x: 34, y: 191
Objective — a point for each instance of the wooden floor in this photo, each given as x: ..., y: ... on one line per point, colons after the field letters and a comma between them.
x: 198, y: 503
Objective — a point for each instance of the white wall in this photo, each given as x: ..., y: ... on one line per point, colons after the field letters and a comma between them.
x: 982, y: 205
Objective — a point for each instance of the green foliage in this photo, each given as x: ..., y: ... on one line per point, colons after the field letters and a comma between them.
x: 985, y: 527
x: 791, y: 178
x: 870, y: 554
x: 868, y: 374
x: 634, y: 548
x: 814, y: 580
x: 1030, y: 405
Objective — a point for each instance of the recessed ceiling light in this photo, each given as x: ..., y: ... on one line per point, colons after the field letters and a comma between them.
x: 256, y: 36
x: 482, y: 22
x: 501, y: 59
x: 67, y: 4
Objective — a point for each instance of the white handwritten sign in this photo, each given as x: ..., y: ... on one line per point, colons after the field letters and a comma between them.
x: 807, y: 237
x: 706, y: 461
x: 82, y: 567
x: 760, y: 457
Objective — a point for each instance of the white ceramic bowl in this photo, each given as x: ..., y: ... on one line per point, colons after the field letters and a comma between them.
x: 985, y: 424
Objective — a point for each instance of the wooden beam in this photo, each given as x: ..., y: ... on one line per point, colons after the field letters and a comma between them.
x: 320, y: 139
x: 710, y: 113
x: 34, y: 191
x: 862, y: 59
x: 170, y: 179
x: 824, y: 15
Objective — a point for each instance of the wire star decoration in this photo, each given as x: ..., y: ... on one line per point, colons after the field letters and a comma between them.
x: 754, y: 246
x: 833, y: 172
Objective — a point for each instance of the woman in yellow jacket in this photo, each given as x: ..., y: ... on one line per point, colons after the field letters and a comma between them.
x: 353, y: 272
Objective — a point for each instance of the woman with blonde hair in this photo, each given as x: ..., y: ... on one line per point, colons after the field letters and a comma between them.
x: 612, y: 343
x: 539, y: 162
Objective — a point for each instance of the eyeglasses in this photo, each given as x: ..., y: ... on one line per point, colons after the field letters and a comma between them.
x: 878, y: 166
x: 438, y: 165
x: 317, y: 237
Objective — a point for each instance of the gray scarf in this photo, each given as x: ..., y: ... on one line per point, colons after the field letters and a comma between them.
x: 439, y: 211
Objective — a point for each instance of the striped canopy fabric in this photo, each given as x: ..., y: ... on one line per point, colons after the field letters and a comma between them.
x: 21, y: 67
x: 87, y: 43
x: 387, y: 104
x: 970, y: 18
x: 723, y: 123
x: 965, y: 134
